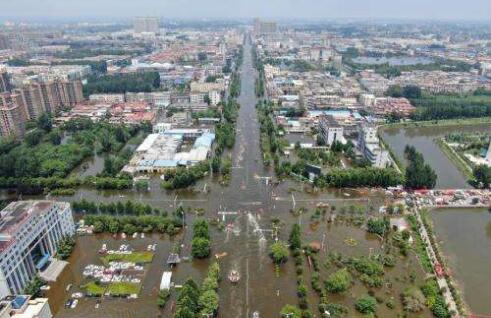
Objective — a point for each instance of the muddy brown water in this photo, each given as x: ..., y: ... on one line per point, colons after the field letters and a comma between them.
x: 465, y: 237
x: 247, y: 247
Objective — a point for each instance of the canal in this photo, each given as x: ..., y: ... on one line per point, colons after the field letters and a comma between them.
x: 424, y: 140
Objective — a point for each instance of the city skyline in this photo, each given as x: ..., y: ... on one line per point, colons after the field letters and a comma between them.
x: 337, y: 9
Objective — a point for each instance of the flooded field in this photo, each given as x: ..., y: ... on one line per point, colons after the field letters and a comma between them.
x: 465, y: 237
x: 423, y: 139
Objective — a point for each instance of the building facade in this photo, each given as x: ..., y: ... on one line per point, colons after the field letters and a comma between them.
x: 23, y: 306
x: 29, y: 234
x: 330, y: 130
x: 12, y: 117
x: 369, y: 146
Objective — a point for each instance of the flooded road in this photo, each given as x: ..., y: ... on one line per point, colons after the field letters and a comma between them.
x: 423, y: 139
x: 249, y: 205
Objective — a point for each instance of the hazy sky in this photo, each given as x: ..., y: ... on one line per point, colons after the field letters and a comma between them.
x: 419, y: 9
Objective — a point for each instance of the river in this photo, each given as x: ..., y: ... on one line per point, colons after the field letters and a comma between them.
x: 424, y: 140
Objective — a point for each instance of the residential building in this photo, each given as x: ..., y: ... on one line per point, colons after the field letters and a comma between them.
x: 4, y: 80
x: 49, y: 96
x: 32, y: 99
x: 107, y: 98
x: 215, y: 97
x: 12, y: 118
x: 23, y: 306
x: 330, y: 130
x: 369, y: 146
x: 29, y: 234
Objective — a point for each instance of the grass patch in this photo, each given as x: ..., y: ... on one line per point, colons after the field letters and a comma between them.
x: 94, y: 289
x: 135, y: 257
x: 123, y: 289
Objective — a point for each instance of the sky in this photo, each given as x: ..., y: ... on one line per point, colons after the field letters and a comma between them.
x: 371, y: 9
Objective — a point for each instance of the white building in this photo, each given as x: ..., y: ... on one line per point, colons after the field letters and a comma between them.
x: 215, y: 97
x: 369, y: 145
x: 367, y: 100
x: 22, y: 306
x: 330, y: 130
x: 29, y: 235
x: 107, y: 98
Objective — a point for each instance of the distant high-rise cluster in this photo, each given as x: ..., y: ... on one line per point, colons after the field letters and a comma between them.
x: 265, y: 27
x: 27, y: 102
x: 146, y: 25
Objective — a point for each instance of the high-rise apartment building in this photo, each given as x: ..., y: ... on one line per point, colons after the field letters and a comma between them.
x: 12, y: 117
x: 29, y: 234
x: 146, y: 24
x: 4, y: 80
x: 49, y: 96
x: 32, y: 99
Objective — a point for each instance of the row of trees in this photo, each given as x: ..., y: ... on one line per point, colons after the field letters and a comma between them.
x: 132, y: 224
x: 437, y: 107
x: 419, y: 175
x: 359, y: 177
x: 201, y: 244
x: 122, y: 83
x: 115, y: 208
x: 194, y: 302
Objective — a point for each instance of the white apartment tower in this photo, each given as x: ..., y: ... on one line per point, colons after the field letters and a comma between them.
x: 29, y: 234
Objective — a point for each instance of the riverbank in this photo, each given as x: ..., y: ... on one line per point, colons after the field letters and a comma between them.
x: 441, y: 123
x: 454, y: 157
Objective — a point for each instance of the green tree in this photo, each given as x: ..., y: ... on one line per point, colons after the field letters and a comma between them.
x: 295, y: 239
x: 44, y: 122
x: 200, y: 247
x: 366, y: 304
x: 338, y: 281
x: 482, y: 175
x: 279, y: 252
x: 290, y: 311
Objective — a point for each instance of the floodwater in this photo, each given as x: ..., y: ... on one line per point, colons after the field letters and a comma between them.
x: 424, y: 140
x: 253, y: 205
x: 465, y: 237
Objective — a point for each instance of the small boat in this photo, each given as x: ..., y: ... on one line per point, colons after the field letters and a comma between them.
x: 68, y: 287
x: 255, y: 314
x: 233, y: 276
x: 77, y: 295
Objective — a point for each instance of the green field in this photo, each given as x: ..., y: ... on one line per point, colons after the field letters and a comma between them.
x: 123, y: 289
x: 135, y: 257
x: 94, y: 289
